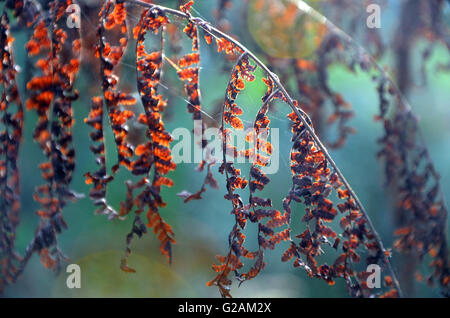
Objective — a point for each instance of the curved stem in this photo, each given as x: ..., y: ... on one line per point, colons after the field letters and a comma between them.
x: 208, y: 28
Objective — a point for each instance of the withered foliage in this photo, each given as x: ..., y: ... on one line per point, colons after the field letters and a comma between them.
x: 241, y: 72
x: 312, y: 84
x: 153, y: 154
x: 334, y: 220
x: 156, y: 152
x: 421, y: 212
x: 10, y: 137
x: 314, y: 182
x: 419, y: 200
x: 189, y: 72
x: 421, y: 209
x: 111, y: 17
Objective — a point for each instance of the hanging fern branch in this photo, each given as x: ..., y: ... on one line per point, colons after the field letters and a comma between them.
x: 12, y: 117
x: 52, y: 97
x: 419, y: 198
x: 189, y: 72
x: 99, y: 179
x: 241, y: 71
x: 11, y: 111
x: 229, y: 45
x: 112, y: 16
x: 155, y: 154
x: 342, y: 110
x: 257, y: 181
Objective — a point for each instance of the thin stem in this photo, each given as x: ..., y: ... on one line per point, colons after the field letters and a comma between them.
x: 208, y: 28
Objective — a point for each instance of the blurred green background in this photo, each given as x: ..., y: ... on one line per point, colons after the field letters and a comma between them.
x: 202, y: 227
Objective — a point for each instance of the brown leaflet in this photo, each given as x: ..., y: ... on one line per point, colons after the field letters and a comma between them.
x: 52, y: 94
x: 11, y: 117
x: 186, y: 8
x: 189, y: 72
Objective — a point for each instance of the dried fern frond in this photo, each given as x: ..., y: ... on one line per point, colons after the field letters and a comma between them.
x: 112, y: 16
x: 52, y: 94
x: 155, y: 153
x: 419, y: 199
